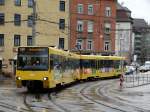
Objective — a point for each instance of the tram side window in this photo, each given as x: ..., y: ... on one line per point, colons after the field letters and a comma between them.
x: 76, y: 63
x: 116, y: 64
x: 70, y: 64
x: 55, y: 61
x: 73, y: 63
x: 99, y: 63
x: 93, y: 64
x: 65, y: 64
x: 86, y: 63
x: 106, y: 65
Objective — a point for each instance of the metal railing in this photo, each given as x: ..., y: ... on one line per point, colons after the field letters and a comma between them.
x: 137, y: 79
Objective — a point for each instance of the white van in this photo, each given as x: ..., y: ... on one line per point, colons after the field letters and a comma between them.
x: 147, y: 64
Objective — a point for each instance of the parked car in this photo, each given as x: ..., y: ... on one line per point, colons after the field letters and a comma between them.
x: 129, y: 70
x: 135, y: 64
x: 147, y: 63
x: 144, y: 68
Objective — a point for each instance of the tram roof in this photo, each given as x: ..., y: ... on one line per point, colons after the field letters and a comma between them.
x: 63, y: 53
x: 55, y: 51
x: 98, y: 57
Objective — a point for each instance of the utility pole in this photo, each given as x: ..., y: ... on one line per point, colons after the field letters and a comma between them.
x: 34, y: 17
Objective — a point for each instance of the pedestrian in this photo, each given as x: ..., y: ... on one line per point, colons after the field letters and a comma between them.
x: 121, y: 81
x: 136, y: 69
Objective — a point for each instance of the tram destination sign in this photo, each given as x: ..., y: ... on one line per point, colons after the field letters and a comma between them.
x: 23, y: 50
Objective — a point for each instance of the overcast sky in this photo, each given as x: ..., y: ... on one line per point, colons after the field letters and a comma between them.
x: 139, y: 8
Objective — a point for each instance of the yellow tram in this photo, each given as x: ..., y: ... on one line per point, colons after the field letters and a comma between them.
x: 48, y: 67
x: 45, y: 67
x: 96, y: 66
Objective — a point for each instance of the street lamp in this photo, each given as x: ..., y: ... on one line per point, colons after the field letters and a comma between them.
x: 121, y: 46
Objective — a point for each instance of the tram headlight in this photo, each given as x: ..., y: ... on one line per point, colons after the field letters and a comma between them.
x: 45, y: 78
x: 18, y: 78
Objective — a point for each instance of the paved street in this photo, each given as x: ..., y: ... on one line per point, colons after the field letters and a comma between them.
x: 47, y: 45
x: 93, y: 96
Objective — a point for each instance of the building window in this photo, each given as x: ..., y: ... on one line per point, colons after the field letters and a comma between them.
x: 16, y: 40
x: 61, y: 43
x: 18, y: 2
x: 61, y: 23
x: 107, y: 46
x: 90, y: 9
x: 30, y: 21
x: 2, y: 18
x: 79, y: 44
x: 1, y: 40
x: 90, y: 26
x: 107, y: 28
x: 62, y: 6
x: 17, y: 19
x: 80, y: 8
x: 30, y: 3
x: 89, y: 44
x: 79, y: 36
x: 29, y: 41
x: 90, y: 35
x: 108, y: 11
x: 2, y: 2
x: 80, y: 26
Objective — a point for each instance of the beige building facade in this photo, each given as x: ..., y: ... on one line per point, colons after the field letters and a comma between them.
x: 52, y: 21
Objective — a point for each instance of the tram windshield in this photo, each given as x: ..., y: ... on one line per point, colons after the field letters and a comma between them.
x: 32, y: 59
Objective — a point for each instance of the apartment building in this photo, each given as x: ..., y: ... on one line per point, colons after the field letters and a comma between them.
x: 141, y: 40
x: 123, y: 44
x: 92, y: 26
x: 16, y: 22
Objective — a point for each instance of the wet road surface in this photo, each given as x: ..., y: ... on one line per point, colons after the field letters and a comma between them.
x: 94, y: 96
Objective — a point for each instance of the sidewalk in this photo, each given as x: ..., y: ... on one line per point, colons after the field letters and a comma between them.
x: 6, y: 81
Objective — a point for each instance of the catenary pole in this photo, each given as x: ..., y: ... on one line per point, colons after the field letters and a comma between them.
x: 34, y: 16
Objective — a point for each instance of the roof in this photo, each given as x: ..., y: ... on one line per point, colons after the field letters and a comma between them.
x: 120, y: 7
x: 123, y: 14
x: 139, y: 23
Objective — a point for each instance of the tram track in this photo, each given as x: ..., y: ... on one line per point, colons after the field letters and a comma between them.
x: 56, y: 104
x: 101, y: 95
x: 7, y: 104
x: 104, y: 99
x: 27, y: 104
x: 11, y: 107
x: 47, y: 97
x: 31, y: 106
x: 97, y: 102
x: 106, y: 96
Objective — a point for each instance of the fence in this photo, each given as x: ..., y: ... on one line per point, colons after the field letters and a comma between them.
x: 137, y: 79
